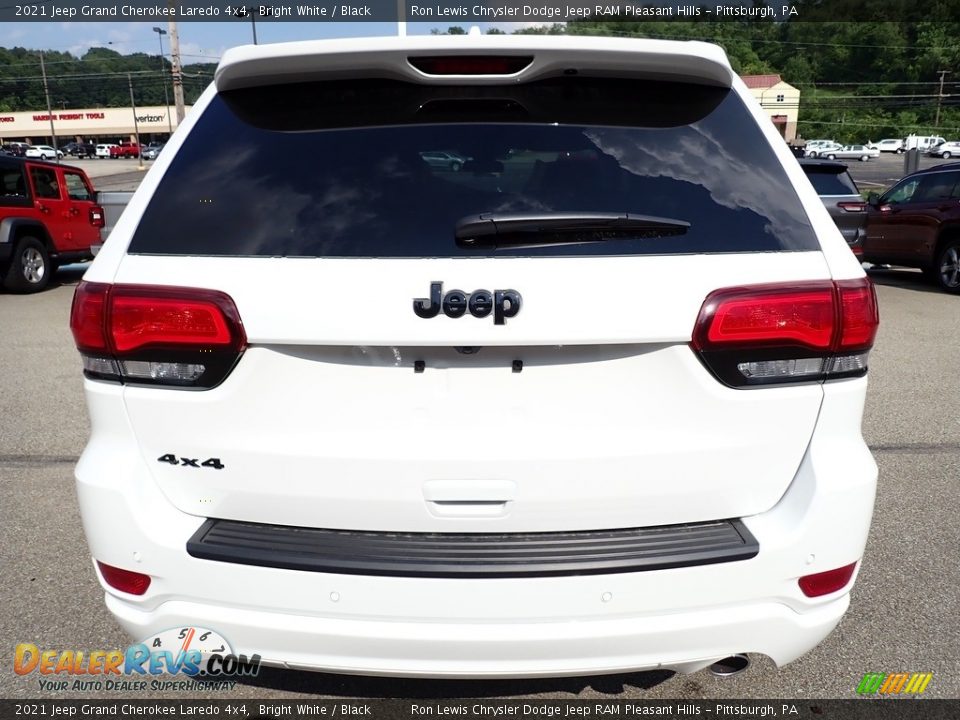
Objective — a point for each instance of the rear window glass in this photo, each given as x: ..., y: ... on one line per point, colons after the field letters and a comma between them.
x: 381, y: 168
x: 832, y: 183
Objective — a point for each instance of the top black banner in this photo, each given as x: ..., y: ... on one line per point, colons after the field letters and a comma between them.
x: 466, y: 11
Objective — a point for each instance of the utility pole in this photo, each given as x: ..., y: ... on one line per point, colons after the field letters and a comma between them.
x: 936, y: 120
x: 253, y: 22
x: 177, y: 73
x: 163, y: 71
x: 136, y: 126
x: 46, y: 92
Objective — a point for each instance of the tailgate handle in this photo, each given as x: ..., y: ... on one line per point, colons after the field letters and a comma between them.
x: 469, y: 498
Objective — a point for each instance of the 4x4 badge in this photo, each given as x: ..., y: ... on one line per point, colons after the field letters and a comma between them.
x: 503, y: 303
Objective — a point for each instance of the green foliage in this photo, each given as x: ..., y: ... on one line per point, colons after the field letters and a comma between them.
x: 97, y: 79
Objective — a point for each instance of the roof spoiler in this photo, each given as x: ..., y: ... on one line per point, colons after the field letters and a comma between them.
x: 255, y: 65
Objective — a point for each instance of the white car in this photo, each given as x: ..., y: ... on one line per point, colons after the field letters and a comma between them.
x: 44, y: 152
x: 894, y: 145
x: 822, y: 149
x: 103, y: 150
x: 850, y: 152
x: 588, y: 407
x: 946, y: 150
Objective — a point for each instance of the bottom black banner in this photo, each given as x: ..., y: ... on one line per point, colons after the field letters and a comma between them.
x: 487, y: 709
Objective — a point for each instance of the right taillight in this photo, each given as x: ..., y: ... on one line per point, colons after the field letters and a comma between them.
x: 783, y: 333
x: 154, y: 335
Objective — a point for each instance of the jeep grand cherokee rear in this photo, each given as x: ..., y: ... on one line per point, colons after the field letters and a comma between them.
x: 591, y: 403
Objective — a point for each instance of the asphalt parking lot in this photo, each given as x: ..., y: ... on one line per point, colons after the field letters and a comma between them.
x: 905, y: 613
x: 882, y: 172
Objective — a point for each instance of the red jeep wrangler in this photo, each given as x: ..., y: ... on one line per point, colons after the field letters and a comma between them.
x: 125, y: 150
x: 48, y: 217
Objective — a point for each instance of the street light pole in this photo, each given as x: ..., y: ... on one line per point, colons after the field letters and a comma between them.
x: 936, y: 121
x: 163, y: 70
x: 252, y: 9
x: 136, y: 126
x: 175, y: 69
x: 46, y: 92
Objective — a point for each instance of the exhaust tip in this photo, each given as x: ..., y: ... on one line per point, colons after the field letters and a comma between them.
x: 730, y: 666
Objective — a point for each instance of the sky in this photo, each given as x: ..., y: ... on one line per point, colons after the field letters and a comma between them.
x: 199, y: 41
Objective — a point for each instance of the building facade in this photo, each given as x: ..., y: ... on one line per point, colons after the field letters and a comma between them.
x: 780, y: 100
x: 90, y: 124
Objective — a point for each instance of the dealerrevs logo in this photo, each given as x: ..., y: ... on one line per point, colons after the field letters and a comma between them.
x: 194, y: 652
x: 480, y: 303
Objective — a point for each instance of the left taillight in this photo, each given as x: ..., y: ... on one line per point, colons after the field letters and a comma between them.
x: 154, y: 335
x: 853, y: 207
x: 97, y: 218
x: 787, y: 333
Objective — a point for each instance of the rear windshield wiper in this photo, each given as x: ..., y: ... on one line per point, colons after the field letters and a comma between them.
x: 519, y: 230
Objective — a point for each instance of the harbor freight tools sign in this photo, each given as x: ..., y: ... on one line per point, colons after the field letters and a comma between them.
x: 202, y: 658
x: 389, y: 11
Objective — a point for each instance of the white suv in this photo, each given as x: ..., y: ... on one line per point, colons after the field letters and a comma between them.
x: 590, y: 404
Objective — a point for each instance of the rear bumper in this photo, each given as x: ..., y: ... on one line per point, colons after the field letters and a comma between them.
x: 680, y: 618
x: 683, y: 642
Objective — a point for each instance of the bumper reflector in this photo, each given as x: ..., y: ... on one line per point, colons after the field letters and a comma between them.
x: 126, y: 581
x: 829, y: 581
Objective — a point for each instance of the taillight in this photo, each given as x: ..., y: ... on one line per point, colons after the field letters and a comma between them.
x: 766, y: 334
x: 126, y: 581
x: 829, y: 581
x: 143, y: 334
x: 471, y: 64
x: 855, y: 207
x: 97, y: 218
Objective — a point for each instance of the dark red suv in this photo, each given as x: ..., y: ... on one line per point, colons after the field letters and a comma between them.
x: 48, y: 217
x: 917, y: 223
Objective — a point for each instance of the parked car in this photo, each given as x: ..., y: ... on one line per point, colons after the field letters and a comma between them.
x: 103, y: 150
x: 443, y: 159
x: 893, y: 145
x: 851, y: 152
x: 842, y: 198
x: 823, y: 149
x: 16, y: 149
x: 48, y: 217
x: 79, y: 149
x: 916, y: 223
x: 125, y: 150
x: 669, y: 360
x: 945, y: 150
x: 923, y: 143
x: 152, y: 152
x: 42, y: 152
